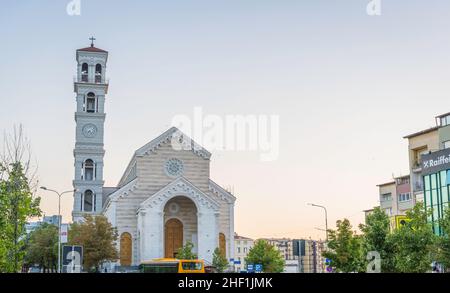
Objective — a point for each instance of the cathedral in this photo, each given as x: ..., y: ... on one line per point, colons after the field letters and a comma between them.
x: 165, y: 197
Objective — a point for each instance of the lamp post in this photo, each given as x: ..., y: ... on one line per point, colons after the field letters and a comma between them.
x: 59, y: 221
x: 326, y: 218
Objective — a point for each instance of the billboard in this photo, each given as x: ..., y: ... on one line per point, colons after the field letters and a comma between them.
x: 398, y: 221
x: 64, y: 232
x: 434, y: 162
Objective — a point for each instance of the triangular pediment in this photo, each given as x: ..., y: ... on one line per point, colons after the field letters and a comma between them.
x: 179, y: 140
x: 180, y: 187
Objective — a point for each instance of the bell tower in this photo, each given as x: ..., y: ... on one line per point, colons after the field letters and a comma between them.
x: 90, y: 87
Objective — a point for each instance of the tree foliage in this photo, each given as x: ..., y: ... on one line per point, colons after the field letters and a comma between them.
x: 98, y: 238
x: 185, y: 252
x: 345, y: 248
x: 414, y: 242
x: 42, y: 248
x: 219, y: 260
x: 443, y: 243
x: 266, y: 254
x: 17, y: 202
x: 377, y: 237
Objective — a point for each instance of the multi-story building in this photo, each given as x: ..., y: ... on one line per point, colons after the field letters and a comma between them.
x: 284, y: 245
x: 309, y: 254
x: 429, y: 179
x: 242, y: 246
x: 395, y: 196
x: 420, y: 143
x: 435, y: 174
x: 52, y: 220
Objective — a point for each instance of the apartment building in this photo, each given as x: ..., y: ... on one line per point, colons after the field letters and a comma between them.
x: 242, y: 246
x: 420, y: 143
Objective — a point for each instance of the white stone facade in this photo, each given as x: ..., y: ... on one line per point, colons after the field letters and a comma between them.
x: 140, y: 205
x: 162, y: 182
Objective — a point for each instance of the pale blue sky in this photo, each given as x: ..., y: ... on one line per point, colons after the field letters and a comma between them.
x: 347, y: 87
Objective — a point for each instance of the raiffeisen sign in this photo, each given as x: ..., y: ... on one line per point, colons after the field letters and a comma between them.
x: 435, y: 162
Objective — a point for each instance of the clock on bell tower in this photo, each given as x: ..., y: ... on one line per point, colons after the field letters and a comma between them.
x: 90, y: 87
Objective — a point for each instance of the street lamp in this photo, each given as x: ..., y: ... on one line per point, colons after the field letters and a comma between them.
x: 326, y: 218
x: 59, y: 221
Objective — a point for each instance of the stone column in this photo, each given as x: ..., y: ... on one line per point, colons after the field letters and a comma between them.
x: 207, y: 235
x: 152, y: 236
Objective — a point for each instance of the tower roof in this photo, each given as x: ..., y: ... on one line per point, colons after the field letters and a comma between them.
x: 92, y: 49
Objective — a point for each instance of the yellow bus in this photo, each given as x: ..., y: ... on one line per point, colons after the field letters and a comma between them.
x: 172, y: 265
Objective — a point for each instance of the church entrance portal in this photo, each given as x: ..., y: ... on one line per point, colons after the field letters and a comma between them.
x: 173, y: 237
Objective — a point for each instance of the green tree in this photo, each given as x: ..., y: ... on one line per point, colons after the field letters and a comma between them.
x: 345, y: 248
x: 98, y: 239
x: 414, y: 242
x: 17, y: 206
x: 377, y: 237
x: 219, y: 260
x: 42, y: 248
x: 266, y: 254
x: 443, y: 242
x: 185, y: 252
x: 17, y: 202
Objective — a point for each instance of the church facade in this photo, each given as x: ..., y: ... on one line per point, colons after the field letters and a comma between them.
x: 165, y: 197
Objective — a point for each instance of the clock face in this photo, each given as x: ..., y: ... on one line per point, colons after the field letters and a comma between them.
x: 174, y: 167
x: 89, y: 130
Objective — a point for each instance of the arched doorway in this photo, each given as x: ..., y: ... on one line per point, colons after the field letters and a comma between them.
x: 222, y: 244
x: 173, y: 238
x: 125, y: 249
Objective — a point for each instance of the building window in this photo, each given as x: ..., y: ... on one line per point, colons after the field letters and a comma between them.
x: 245, y: 249
x: 91, y: 103
x: 98, y: 73
x: 445, y: 120
x: 386, y: 197
x: 84, y: 72
x: 88, y: 201
x: 388, y: 211
x: 404, y: 197
x: 239, y: 249
x: 446, y: 144
x: 88, y: 170
x: 417, y: 154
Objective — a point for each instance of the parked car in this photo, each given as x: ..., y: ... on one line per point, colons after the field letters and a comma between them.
x: 34, y: 270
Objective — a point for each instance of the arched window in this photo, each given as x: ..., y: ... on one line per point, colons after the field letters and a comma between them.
x: 84, y: 72
x: 88, y: 173
x: 88, y: 201
x: 91, y: 103
x: 98, y: 73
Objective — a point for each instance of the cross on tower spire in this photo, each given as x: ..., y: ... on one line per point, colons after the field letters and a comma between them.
x: 92, y: 41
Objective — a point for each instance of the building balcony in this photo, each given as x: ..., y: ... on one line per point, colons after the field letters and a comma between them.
x: 405, y: 205
x: 385, y: 204
x: 84, y: 79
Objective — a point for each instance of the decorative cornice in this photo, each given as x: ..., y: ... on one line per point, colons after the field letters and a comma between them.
x: 122, y: 192
x: 221, y: 193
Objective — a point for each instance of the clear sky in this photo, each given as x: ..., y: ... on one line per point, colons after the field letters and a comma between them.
x: 347, y: 87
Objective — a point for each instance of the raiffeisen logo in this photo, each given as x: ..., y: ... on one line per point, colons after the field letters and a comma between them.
x: 437, y: 162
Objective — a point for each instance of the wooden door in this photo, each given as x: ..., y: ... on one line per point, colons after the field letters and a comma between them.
x: 125, y: 249
x: 173, y: 237
x: 222, y: 244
